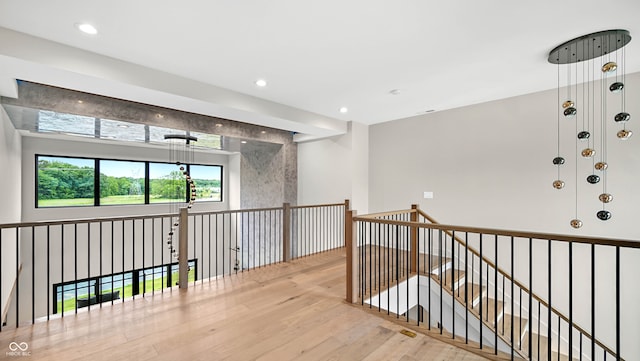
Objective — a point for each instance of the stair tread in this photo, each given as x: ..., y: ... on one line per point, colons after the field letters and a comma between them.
x: 543, y: 354
x: 435, y: 262
x: 450, y: 276
x: 474, y: 292
x: 488, y: 310
x: 519, y: 327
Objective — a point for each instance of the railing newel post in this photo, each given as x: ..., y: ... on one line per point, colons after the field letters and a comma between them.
x: 351, y: 244
x: 286, y: 232
x: 414, y: 238
x: 183, y: 249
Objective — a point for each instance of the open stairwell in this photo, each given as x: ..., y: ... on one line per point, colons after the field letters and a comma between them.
x: 463, y: 308
x: 520, y: 295
x: 512, y: 330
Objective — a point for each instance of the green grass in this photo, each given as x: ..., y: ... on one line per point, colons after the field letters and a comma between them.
x: 115, y: 200
x: 65, y: 202
x: 150, y: 285
x: 132, y: 199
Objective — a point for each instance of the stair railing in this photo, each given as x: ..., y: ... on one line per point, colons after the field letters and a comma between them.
x: 546, y: 283
x: 51, y: 269
x: 533, y: 299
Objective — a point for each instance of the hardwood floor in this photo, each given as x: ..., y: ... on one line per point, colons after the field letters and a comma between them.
x: 289, y: 311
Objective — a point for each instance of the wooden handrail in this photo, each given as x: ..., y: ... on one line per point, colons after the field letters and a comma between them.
x: 384, y: 214
x: 319, y: 205
x: 522, y: 287
x: 503, y: 232
x: 374, y: 218
x: 149, y: 216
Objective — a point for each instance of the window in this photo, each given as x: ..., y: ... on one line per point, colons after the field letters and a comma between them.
x: 166, y: 183
x: 208, y: 182
x: 66, y: 182
x: 82, y: 293
x: 121, y: 182
x: 69, y: 124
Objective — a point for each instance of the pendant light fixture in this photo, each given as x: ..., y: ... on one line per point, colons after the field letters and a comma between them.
x: 595, y: 72
x: 181, y: 154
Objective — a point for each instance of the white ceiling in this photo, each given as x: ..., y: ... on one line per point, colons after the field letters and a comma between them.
x: 317, y: 56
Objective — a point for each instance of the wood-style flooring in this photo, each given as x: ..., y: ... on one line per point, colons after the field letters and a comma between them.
x: 288, y: 311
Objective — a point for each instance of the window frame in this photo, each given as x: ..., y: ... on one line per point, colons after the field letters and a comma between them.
x: 94, y: 283
x: 96, y: 181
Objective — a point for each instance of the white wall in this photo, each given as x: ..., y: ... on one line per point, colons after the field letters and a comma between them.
x: 10, y: 189
x: 490, y: 165
x: 334, y: 169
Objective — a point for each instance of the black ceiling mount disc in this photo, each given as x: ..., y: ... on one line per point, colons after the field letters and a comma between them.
x: 589, y: 46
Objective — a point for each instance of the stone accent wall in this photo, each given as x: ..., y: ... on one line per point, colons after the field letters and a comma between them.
x: 268, y: 160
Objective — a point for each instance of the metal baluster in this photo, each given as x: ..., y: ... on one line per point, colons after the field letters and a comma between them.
x: 480, y: 291
x: 430, y: 245
x: 18, y: 281
x: 75, y: 264
x: 123, y: 249
x: 559, y: 350
x: 388, y: 267
x: 398, y: 269
x: 441, y: 278
x: 520, y: 319
x: 379, y: 270
x: 513, y: 342
x: 162, y: 247
x: 48, y: 273
x: 466, y: 287
x: 495, y: 295
x: 453, y: 282
x: 209, y: 246
x: 539, y: 331
x: 153, y: 256
x: 133, y: 255
x: 33, y: 276
x: 371, y: 264
x: 1, y: 258
x: 549, y: 307
x: 408, y: 265
x: 144, y: 254
x: 61, y: 267
x: 530, y: 346
x: 363, y: 265
x: 618, y: 303
x: 224, y: 245
x: 195, y: 254
x: 570, y: 300
x: 419, y: 307
x: 580, y: 346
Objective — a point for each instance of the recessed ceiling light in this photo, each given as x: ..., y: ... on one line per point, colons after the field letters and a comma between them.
x: 218, y: 125
x: 159, y: 116
x: 87, y: 28
x: 244, y: 142
x: 261, y: 83
x: 80, y: 102
x: 344, y: 110
x: 263, y: 132
x: 394, y: 91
